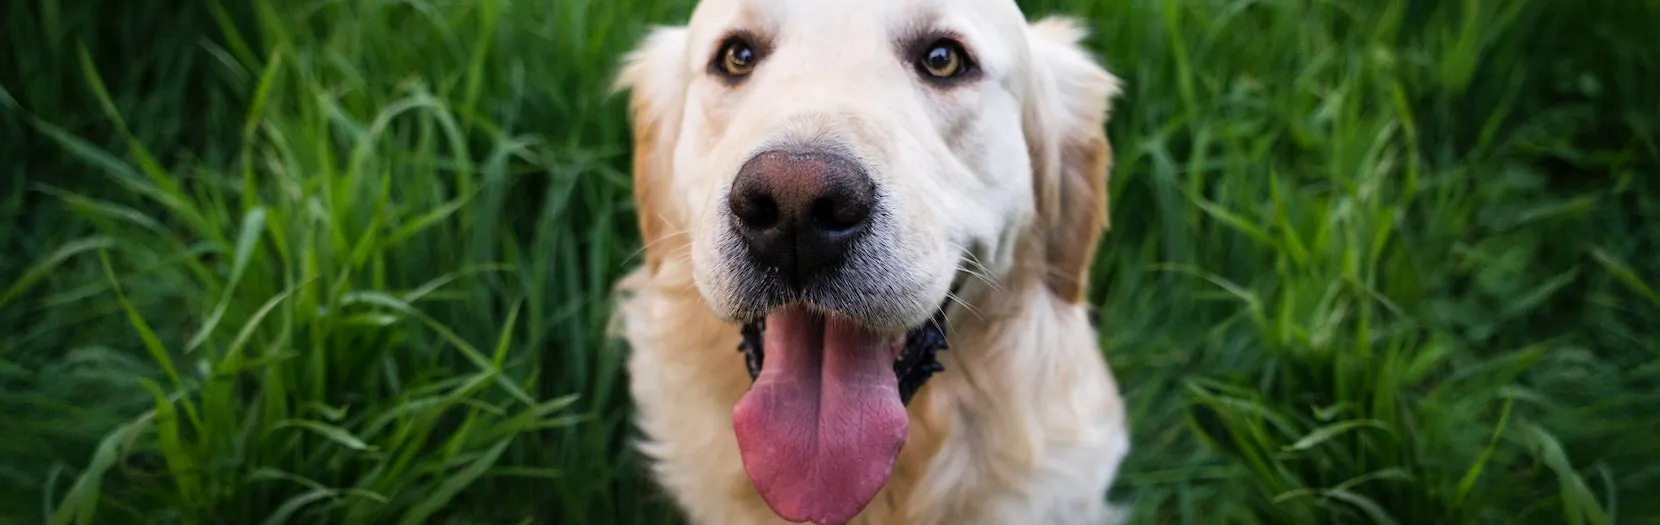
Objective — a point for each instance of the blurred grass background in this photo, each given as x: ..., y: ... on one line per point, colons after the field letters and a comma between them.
x: 1373, y: 261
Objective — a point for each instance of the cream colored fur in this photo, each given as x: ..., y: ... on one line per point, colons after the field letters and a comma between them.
x: 1025, y: 425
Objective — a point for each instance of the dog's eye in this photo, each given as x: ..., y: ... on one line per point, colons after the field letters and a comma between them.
x: 943, y: 59
x: 737, y: 58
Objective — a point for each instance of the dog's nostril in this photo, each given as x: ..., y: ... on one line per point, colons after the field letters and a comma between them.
x: 757, y: 212
x: 839, y: 214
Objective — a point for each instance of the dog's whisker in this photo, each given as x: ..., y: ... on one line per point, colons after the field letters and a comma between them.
x: 685, y: 257
x: 989, y: 281
x: 967, y: 307
x: 983, y: 273
x: 959, y: 300
x: 685, y: 253
x: 653, y: 243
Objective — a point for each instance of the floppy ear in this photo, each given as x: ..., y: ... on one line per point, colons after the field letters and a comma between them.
x: 655, y: 80
x: 1066, y: 113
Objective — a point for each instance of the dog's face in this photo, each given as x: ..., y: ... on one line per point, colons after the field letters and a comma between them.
x: 837, y: 167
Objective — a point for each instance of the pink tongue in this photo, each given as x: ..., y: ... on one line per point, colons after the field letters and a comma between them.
x: 821, y: 426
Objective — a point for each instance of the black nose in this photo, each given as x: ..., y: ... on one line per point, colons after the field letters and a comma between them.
x: 799, y: 212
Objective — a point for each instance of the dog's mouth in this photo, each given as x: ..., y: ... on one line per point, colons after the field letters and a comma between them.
x: 825, y: 418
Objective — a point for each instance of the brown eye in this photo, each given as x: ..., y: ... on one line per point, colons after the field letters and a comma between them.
x: 943, y: 60
x: 737, y: 58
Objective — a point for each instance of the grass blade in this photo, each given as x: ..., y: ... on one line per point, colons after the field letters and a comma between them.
x: 253, y: 226
x: 454, y: 484
x: 40, y: 269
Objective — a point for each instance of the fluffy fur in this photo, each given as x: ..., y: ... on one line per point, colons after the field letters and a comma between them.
x: 1002, y: 180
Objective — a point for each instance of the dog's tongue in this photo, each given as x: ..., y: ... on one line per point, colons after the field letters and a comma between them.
x: 821, y: 426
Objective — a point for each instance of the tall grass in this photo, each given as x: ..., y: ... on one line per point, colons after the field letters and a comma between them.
x: 349, y: 262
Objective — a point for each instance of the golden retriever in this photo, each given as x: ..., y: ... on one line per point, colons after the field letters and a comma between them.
x: 831, y: 186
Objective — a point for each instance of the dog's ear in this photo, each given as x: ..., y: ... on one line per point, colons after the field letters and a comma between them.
x: 655, y: 79
x: 1065, y: 114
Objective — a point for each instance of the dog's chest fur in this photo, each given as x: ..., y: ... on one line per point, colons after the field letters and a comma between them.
x: 1024, y: 426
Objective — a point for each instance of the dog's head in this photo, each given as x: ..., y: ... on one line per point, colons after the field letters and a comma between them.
x: 836, y: 169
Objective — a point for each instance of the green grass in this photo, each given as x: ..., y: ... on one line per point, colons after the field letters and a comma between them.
x: 348, y: 262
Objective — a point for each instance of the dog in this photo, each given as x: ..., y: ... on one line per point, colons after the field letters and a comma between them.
x: 830, y: 190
